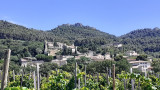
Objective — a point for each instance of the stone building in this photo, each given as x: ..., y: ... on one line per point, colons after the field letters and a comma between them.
x: 143, y: 66
x: 32, y: 61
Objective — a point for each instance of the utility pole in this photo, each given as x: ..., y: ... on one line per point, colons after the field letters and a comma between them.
x: 0, y: 75
x: 79, y: 82
x: 85, y: 75
x: 132, y: 81
x: 5, y: 69
x: 34, y: 78
x: 22, y: 72
x: 13, y: 75
x: 76, y: 75
x: 38, y: 84
x: 107, y: 76
x: 114, y: 87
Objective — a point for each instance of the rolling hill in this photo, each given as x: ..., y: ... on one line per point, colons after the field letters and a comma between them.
x: 17, y: 32
x: 147, y: 40
x: 79, y: 31
x: 61, y: 33
x: 140, y: 40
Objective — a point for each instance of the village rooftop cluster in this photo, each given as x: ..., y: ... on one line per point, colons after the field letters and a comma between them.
x: 60, y: 60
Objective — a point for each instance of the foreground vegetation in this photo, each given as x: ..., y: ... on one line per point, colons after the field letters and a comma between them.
x: 99, y: 76
x: 62, y: 80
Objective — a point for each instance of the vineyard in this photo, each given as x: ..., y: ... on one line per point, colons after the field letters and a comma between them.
x: 77, y: 79
x: 62, y: 80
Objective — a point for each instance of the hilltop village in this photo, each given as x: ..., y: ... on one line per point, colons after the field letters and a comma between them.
x: 52, y: 49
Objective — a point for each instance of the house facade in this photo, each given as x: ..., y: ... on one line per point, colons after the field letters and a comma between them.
x: 59, y: 62
x: 117, y: 45
x: 143, y: 66
x: 30, y: 61
x: 131, y: 53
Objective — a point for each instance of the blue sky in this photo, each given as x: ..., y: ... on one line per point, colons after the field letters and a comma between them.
x: 116, y: 17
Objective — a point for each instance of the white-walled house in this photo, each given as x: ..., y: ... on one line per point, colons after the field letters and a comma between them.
x: 51, y: 49
x: 131, y: 53
x: 100, y: 57
x: 141, y: 65
x: 50, y: 45
x: 117, y: 45
x: 32, y: 61
x: 59, y: 62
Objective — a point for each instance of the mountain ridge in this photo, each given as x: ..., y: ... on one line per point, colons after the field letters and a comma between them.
x: 81, y: 31
x: 60, y: 33
x: 140, y: 31
x: 146, y: 40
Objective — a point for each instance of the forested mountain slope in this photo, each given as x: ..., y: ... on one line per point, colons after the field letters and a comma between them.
x: 79, y: 31
x: 147, y: 40
x: 83, y: 34
x: 62, y: 33
x: 17, y: 32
